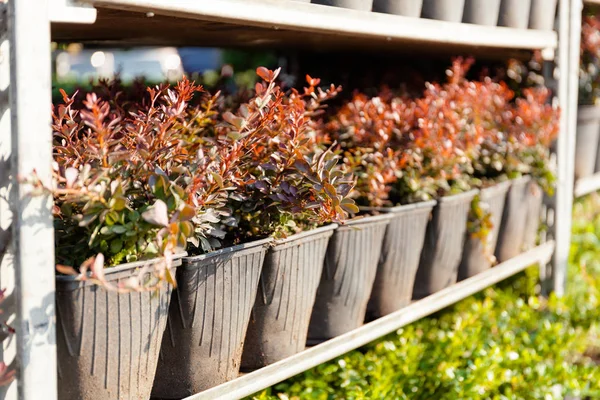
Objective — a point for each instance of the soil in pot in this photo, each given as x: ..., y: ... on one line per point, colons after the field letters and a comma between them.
x: 399, y: 259
x: 286, y: 295
x: 348, y: 275
x: 445, y: 10
x: 477, y: 256
x: 407, y: 8
x: 535, y: 200
x: 542, y: 14
x: 587, y: 140
x: 443, y: 247
x: 108, y: 342
x: 514, y: 217
x: 514, y: 13
x: 208, y: 318
x: 481, y: 12
x: 361, y: 5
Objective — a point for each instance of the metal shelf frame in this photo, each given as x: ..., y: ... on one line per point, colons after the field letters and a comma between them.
x: 26, y: 231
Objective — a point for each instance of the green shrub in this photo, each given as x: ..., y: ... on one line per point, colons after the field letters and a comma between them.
x: 504, y: 343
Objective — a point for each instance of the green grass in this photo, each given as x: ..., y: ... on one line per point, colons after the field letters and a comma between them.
x: 504, y: 343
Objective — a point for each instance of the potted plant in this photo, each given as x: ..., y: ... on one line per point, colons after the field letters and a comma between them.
x: 445, y: 10
x: 294, y: 191
x: 122, y: 215
x: 482, y: 12
x: 362, y: 128
x: 588, y: 112
x: 514, y: 13
x: 361, y: 5
x: 407, y: 8
x: 533, y: 125
x: 542, y: 14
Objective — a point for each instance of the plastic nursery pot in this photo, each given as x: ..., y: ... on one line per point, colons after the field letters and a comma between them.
x: 514, y: 13
x: 542, y: 14
x: 587, y: 140
x: 286, y: 295
x: 481, y: 12
x: 208, y: 318
x: 108, y: 342
x: 443, y: 247
x: 445, y: 10
x: 361, y: 5
x: 347, y: 280
x: 399, y: 259
x: 514, y: 217
x: 535, y: 200
x: 478, y: 257
x: 407, y: 8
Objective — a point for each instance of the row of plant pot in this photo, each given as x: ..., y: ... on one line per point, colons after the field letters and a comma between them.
x: 522, y: 14
x: 254, y: 304
x: 272, y: 196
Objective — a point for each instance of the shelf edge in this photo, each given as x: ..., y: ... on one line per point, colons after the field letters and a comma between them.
x: 276, y: 14
x: 284, y: 369
x: 588, y: 184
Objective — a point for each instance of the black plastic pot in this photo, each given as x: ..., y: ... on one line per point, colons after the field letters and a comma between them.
x: 478, y: 257
x: 443, y: 247
x: 208, y: 317
x: 407, y: 8
x: 399, y: 259
x: 535, y: 200
x: 348, y: 276
x: 514, y: 13
x: 445, y: 10
x: 542, y: 14
x: 286, y: 295
x: 108, y: 342
x: 587, y: 140
x: 514, y: 217
x: 481, y: 12
x: 361, y: 5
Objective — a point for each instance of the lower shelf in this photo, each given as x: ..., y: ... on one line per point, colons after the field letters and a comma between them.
x: 275, y: 373
x: 587, y: 185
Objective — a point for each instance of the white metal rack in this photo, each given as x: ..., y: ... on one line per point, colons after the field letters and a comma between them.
x: 27, y: 27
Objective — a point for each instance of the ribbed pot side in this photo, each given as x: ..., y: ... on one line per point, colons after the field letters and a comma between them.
x: 108, y: 342
x: 361, y: 5
x: 514, y: 217
x: 286, y: 295
x: 444, y: 10
x: 399, y: 260
x: 347, y: 279
x: 514, y: 13
x: 444, y: 241
x: 208, y: 318
x: 407, y: 8
x: 476, y: 257
x: 481, y: 12
x: 587, y: 140
x: 535, y: 201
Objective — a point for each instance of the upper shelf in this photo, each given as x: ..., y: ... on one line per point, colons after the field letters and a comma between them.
x: 277, y: 23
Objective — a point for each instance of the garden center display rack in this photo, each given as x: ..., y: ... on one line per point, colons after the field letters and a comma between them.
x: 26, y: 233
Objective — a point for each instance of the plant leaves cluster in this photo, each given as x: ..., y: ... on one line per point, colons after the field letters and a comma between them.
x: 176, y: 169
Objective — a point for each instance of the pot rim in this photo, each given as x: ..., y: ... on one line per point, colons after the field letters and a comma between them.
x: 367, y: 219
x: 228, y: 250
x: 521, y: 180
x: 304, y: 235
x: 458, y: 197
x: 125, y: 267
x: 402, y: 208
x: 495, y: 190
x: 588, y: 112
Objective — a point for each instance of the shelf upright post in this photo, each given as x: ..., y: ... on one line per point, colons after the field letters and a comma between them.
x: 28, y: 102
x: 568, y: 63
